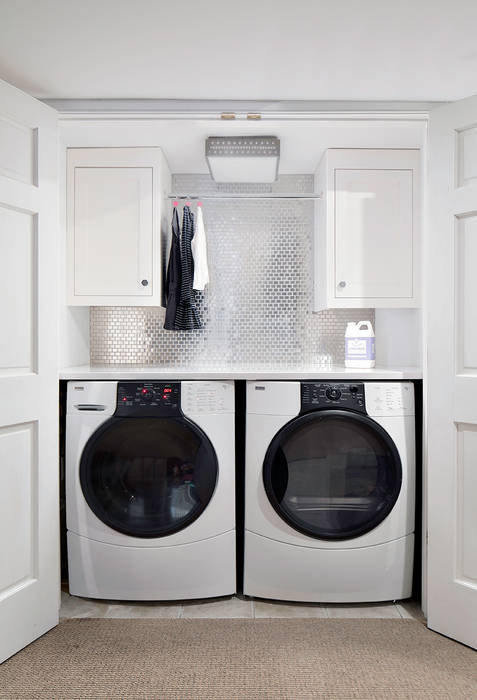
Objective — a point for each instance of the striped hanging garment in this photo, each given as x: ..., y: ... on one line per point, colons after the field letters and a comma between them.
x: 187, y: 318
x: 173, y: 277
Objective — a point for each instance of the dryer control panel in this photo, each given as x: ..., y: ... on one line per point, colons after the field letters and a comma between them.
x: 315, y: 395
x: 148, y: 398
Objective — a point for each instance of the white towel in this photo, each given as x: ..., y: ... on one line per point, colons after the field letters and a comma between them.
x: 199, y: 253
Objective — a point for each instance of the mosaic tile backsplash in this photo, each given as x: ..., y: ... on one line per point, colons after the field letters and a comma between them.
x: 256, y: 310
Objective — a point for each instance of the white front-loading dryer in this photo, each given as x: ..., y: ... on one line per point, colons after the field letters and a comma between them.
x: 329, y: 491
x: 150, y: 489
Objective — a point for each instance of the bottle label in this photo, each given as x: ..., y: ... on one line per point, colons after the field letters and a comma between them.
x: 360, y: 349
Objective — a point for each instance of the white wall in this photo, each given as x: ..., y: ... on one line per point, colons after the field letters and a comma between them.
x: 398, y: 337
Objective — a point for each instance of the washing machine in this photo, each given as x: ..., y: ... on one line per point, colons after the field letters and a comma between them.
x: 150, y: 489
x: 329, y: 491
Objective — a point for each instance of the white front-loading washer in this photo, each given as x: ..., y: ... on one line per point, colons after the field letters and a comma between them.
x: 150, y: 489
x: 329, y: 491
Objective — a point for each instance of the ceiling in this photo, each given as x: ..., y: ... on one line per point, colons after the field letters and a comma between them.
x: 253, y: 50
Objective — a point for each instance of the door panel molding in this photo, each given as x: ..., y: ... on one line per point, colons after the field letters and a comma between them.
x: 452, y: 381
x: 29, y: 473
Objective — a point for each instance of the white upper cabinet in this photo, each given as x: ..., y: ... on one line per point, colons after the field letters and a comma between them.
x: 116, y: 201
x: 367, y: 236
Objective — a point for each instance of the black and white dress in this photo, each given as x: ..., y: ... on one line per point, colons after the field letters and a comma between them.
x: 187, y: 317
x: 173, y: 277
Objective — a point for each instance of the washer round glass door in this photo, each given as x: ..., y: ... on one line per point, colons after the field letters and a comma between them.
x: 332, y: 474
x: 148, y: 477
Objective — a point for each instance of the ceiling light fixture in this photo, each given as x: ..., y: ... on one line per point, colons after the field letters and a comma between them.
x: 243, y: 158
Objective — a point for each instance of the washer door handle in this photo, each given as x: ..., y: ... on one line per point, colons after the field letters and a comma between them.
x: 90, y: 407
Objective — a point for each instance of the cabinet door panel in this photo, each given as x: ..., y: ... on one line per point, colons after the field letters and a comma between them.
x: 373, y: 233
x: 113, y: 231
x: 115, y: 224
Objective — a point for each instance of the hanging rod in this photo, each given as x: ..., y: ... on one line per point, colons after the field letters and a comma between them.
x: 250, y: 195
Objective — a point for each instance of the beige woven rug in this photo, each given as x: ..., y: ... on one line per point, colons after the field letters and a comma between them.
x: 241, y: 659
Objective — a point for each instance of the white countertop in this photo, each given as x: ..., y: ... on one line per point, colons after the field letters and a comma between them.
x: 117, y: 372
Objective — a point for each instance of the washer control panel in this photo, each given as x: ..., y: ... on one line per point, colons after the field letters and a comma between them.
x: 148, y: 398
x: 315, y: 395
x: 207, y: 397
x: 391, y: 399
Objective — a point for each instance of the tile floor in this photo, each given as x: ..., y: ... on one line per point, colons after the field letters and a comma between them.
x: 230, y: 607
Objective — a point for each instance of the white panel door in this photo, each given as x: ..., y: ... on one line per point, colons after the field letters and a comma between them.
x: 374, y: 233
x: 114, y: 207
x: 451, y: 255
x: 113, y: 231
x: 367, y: 234
x: 29, y: 521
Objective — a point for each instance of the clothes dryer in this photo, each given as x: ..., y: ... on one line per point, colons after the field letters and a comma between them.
x: 330, y: 491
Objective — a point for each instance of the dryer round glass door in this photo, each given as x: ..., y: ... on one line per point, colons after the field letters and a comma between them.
x: 332, y: 474
x: 148, y: 477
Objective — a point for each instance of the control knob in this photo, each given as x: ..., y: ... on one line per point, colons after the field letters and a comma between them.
x: 333, y: 393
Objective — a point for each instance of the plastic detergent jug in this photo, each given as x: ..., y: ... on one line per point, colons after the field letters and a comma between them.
x: 360, y: 349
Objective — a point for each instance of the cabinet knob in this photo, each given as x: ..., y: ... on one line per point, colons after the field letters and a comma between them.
x: 144, y: 283
x: 342, y: 284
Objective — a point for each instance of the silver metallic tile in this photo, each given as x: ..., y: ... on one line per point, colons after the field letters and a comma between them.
x: 256, y: 310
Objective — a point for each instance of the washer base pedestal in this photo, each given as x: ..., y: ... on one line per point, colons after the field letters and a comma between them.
x: 282, y: 571
x: 200, y: 569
